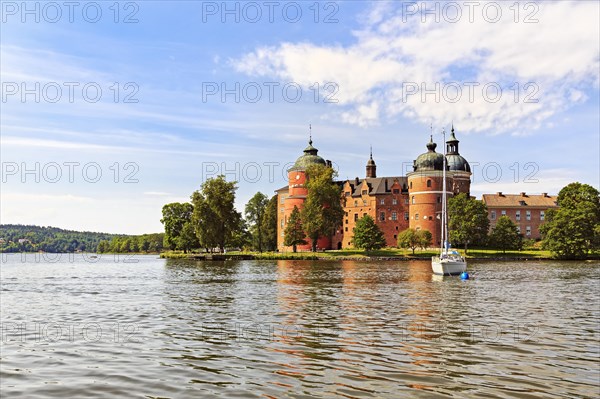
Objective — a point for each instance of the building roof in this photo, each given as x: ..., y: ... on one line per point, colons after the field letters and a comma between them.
x: 376, y: 185
x: 429, y: 160
x: 519, y: 200
x: 310, y: 157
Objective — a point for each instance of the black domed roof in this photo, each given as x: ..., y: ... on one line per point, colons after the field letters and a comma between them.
x: 453, y: 159
x: 430, y: 160
x: 310, y: 157
x: 457, y: 162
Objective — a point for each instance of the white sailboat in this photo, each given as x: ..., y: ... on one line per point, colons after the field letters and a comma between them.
x: 447, y: 263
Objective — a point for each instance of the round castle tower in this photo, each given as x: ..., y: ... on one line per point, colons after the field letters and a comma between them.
x: 298, y: 191
x: 425, y: 185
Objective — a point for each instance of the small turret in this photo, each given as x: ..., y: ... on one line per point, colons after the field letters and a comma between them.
x: 371, y: 167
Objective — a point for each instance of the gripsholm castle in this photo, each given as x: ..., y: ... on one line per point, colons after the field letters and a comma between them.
x: 397, y: 203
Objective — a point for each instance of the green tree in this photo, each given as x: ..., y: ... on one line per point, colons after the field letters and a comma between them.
x: 367, y: 235
x: 322, y: 212
x: 294, y: 232
x: 425, y: 238
x: 269, y: 224
x: 103, y: 246
x: 255, y: 210
x: 187, y: 239
x: 571, y: 231
x: 242, y: 238
x: 413, y: 239
x: 175, y: 216
x: 125, y: 245
x: 467, y: 220
x: 505, y: 235
x: 215, y: 218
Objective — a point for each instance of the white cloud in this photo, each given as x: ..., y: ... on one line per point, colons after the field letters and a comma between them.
x: 558, y: 54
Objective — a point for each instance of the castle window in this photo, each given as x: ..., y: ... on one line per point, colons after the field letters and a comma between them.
x: 406, y: 215
x: 355, y: 203
x: 346, y: 221
x: 394, y: 216
x: 355, y: 217
x: 396, y: 191
x: 394, y: 201
x: 439, y: 199
x: 282, y: 210
x: 528, y: 215
x: 346, y: 229
x: 347, y: 193
x: 542, y: 215
x: 416, y: 216
x: 364, y: 202
x: 364, y: 214
x: 364, y: 192
x: 282, y: 200
x: 282, y: 222
x: 411, y: 185
x: 382, y: 202
x: 493, y: 215
x: 413, y: 199
x: 395, y: 236
x: 519, y: 229
x: 428, y: 183
x: 518, y: 215
x: 528, y: 230
x: 406, y: 201
x: 503, y: 213
x: 382, y: 216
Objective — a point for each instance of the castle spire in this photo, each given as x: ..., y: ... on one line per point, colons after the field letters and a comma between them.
x: 310, y: 133
x: 371, y: 167
x: 452, y: 143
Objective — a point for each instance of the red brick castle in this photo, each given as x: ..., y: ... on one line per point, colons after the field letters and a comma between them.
x: 400, y: 202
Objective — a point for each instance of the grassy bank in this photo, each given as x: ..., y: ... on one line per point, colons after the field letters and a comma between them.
x: 387, y: 253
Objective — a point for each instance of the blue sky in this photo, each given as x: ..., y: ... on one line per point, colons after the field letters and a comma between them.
x: 371, y: 58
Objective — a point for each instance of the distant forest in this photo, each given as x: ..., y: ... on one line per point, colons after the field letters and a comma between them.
x: 19, y: 238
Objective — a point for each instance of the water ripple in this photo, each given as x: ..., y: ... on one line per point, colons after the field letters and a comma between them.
x: 298, y: 329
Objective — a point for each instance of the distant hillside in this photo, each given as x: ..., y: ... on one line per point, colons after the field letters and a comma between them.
x: 20, y: 238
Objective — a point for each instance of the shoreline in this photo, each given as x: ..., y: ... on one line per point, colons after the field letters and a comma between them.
x: 304, y: 256
x: 362, y: 258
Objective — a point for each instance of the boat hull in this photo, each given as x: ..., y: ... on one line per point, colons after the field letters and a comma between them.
x: 448, y: 267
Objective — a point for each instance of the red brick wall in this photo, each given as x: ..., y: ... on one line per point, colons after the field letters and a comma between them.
x: 373, y: 208
x: 297, y: 195
x: 425, y: 202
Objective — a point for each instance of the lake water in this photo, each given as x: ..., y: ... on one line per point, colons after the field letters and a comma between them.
x: 146, y: 327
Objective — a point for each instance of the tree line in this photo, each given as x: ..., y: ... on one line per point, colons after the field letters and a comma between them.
x: 210, y: 222
x: 28, y: 238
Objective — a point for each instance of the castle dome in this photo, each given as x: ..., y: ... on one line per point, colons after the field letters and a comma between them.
x: 454, y: 160
x: 429, y: 160
x: 457, y: 162
x: 309, y: 157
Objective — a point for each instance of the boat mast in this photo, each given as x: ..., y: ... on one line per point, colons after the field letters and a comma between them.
x: 444, y: 208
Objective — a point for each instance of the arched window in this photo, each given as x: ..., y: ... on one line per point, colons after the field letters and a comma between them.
x: 413, y: 199
x: 411, y: 185
x: 428, y: 183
